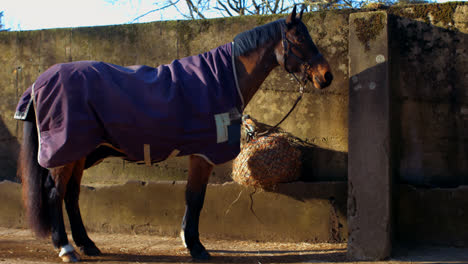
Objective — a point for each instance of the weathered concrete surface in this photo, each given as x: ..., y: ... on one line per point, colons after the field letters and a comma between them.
x: 432, y: 216
x: 9, y: 147
x: 429, y: 59
x: 428, y: 54
x: 11, y: 209
x: 321, y: 117
x: 118, y: 171
x: 8, y: 128
x: 428, y: 216
x: 323, y: 114
x: 369, y: 168
x: 299, y: 212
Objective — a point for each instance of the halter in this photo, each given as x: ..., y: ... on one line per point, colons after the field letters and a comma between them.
x: 286, y: 43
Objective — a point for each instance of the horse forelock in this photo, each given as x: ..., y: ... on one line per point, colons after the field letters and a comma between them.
x: 252, y: 39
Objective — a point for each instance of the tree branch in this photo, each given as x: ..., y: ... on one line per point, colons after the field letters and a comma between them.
x: 225, y: 8
x: 193, y: 8
x: 157, y: 9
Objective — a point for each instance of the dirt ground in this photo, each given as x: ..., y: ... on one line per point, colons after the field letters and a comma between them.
x: 20, y: 246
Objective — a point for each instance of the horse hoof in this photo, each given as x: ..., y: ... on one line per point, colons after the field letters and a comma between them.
x: 199, y: 253
x: 70, y: 257
x: 90, y: 250
x: 203, y: 256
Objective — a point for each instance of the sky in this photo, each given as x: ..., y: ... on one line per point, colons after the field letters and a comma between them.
x: 43, y: 14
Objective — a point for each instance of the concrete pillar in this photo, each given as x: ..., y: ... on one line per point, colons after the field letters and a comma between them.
x: 369, y: 171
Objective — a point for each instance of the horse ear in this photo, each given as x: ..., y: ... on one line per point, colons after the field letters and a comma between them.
x: 302, y: 11
x: 291, y: 19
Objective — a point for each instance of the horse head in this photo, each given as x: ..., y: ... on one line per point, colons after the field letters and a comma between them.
x: 298, y: 54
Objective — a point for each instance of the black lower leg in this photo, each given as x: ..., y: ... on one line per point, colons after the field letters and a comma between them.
x: 79, y: 233
x: 54, y: 201
x: 194, y: 204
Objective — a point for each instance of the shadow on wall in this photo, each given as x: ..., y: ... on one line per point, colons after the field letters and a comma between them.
x: 322, y: 183
x: 9, y: 148
x: 430, y: 98
x: 318, y: 164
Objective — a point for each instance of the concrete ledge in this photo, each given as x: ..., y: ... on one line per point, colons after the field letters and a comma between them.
x: 296, y: 212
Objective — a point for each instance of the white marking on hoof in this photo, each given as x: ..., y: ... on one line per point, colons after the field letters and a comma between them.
x: 182, y: 236
x: 68, y: 254
x: 66, y: 249
x: 71, y: 257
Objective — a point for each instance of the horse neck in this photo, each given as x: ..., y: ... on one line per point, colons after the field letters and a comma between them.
x: 253, y: 68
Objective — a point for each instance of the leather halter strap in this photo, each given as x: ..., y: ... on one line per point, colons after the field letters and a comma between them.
x: 286, y: 43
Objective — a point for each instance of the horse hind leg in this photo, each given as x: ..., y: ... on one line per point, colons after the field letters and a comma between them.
x: 79, y: 233
x: 199, y: 174
x: 55, y: 189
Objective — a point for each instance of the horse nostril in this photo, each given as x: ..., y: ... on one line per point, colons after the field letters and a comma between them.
x: 328, y: 77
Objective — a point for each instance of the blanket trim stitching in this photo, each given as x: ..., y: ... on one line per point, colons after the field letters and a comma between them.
x: 37, y: 123
x: 235, y: 77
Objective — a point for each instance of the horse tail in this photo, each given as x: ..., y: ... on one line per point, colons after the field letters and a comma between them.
x: 33, y: 177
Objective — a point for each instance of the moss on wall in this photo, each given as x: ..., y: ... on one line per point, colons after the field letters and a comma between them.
x: 437, y: 14
x: 428, y: 55
x: 185, y: 34
x: 368, y: 28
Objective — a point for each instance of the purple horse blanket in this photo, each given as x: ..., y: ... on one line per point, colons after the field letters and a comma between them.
x: 190, y: 106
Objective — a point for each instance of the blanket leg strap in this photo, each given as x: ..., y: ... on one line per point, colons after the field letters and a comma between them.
x: 147, y: 154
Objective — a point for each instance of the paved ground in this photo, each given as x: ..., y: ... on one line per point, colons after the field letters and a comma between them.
x: 19, y: 246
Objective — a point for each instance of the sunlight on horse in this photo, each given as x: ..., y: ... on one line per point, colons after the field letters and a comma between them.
x: 78, y: 113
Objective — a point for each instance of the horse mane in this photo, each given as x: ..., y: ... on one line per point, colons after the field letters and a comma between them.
x: 252, y: 39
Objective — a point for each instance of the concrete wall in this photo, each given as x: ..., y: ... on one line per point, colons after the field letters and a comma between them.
x: 322, y: 115
x: 369, y: 212
x: 314, y: 212
x: 429, y: 80
x: 429, y: 113
x: 296, y: 212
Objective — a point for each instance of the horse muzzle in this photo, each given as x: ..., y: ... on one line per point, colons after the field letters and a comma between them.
x: 323, y: 82
x: 319, y: 73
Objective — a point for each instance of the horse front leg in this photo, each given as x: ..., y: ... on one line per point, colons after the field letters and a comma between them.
x: 199, y: 173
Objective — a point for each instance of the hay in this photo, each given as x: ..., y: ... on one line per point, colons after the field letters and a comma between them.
x: 266, y: 161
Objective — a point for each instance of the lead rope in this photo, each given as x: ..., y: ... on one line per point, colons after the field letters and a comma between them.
x: 301, y: 92
x: 286, y: 52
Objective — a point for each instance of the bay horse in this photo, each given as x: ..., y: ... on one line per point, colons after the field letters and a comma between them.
x: 78, y: 113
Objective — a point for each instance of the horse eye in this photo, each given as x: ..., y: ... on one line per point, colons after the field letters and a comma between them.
x: 300, y: 38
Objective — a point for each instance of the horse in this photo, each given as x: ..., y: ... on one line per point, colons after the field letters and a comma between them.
x: 68, y: 126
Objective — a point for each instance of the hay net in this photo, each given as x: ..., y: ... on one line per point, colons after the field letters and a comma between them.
x: 268, y: 159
